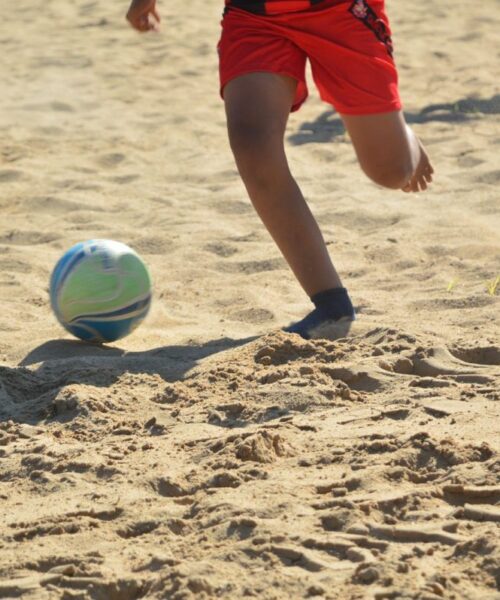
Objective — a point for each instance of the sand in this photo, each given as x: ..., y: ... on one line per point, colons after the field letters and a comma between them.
x: 209, y: 455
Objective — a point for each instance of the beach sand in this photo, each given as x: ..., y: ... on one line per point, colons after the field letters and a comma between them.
x: 208, y: 454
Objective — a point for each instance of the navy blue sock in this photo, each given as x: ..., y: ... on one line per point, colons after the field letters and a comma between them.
x: 334, y: 303
x: 331, y: 305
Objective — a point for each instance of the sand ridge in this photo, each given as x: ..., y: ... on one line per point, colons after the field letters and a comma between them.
x: 209, y: 454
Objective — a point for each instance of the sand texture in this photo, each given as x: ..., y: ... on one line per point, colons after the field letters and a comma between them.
x: 209, y: 455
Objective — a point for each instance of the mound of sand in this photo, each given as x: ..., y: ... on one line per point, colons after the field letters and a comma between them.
x: 209, y: 455
x: 281, y: 468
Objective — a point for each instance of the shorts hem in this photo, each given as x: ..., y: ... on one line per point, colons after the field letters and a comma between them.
x: 369, y: 110
x: 229, y: 78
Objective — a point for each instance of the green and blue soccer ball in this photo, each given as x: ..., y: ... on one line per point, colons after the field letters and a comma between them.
x: 100, y: 290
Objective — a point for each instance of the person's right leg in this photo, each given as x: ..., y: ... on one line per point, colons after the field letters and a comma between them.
x: 257, y: 108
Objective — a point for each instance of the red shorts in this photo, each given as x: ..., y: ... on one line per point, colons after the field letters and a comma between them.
x: 347, y: 43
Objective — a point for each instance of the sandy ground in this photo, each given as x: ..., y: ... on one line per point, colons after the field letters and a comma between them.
x: 209, y: 455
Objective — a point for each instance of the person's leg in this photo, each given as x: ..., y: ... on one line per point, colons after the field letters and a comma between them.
x: 257, y: 108
x: 350, y: 52
x: 389, y: 152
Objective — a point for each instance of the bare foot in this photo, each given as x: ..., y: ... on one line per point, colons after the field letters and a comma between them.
x: 423, y: 173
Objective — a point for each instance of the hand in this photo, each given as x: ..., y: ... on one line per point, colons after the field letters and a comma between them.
x: 143, y: 16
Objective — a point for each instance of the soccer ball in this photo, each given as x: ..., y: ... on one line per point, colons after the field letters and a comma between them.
x: 100, y: 290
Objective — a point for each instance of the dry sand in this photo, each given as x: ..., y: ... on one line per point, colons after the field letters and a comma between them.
x: 208, y: 455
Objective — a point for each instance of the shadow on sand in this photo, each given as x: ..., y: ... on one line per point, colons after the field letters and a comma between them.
x: 329, y: 126
x: 65, y: 362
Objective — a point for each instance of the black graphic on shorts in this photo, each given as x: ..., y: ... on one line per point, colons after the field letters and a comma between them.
x: 365, y: 13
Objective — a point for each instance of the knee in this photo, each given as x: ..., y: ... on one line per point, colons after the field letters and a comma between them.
x: 257, y: 149
x: 394, y: 175
x: 248, y: 139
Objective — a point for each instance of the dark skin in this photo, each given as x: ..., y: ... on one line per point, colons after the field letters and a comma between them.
x: 143, y: 16
x: 257, y: 141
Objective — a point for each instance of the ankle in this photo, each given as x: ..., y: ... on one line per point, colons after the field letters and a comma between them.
x: 334, y: 303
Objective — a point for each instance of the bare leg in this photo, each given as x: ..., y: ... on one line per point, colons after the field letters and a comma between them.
x: 389, y: 152
x: 257, y: 108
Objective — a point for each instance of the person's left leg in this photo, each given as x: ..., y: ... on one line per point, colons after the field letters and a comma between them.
x: 351, y: 55
x: 389, y: 152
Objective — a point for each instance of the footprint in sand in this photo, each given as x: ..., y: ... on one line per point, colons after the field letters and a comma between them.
x: 453, y: 303
x: 27, y: 238
x: 110, y: 160
x: 157, y: 245
x: 252, y: 266
x: 468, y: 162
x: 232, y: 207
x: 440, y: 361
x: 252, y: 315
x: 124, y: 179
x: 221, y: 249
x: 14, y: 265
x: 51, y: 204
x: 489, y: 178
x: 480, y: 355
x: 9, y: 175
